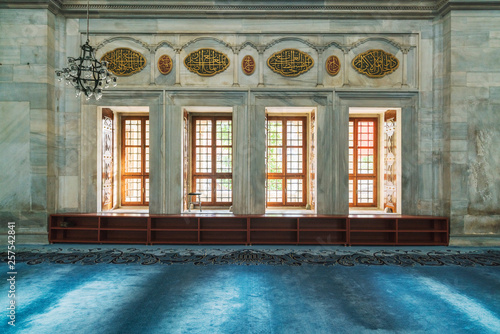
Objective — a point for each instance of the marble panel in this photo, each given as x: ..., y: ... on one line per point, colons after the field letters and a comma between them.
x: 473, y: 60
x: 494, y: 95
x: 27, y: 16
x: 6, y: 73
x: 39, y: 192
x: 487, y: 224
x: 68, y: 196
x: 15, y: 156
x: 10, y: 54
x: 37, y: 96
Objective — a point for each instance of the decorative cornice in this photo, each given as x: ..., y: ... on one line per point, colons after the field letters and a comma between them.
x: 362, y: 9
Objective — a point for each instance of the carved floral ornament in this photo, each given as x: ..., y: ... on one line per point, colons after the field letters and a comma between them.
x: 165, y: 64
x: 375, y: 63
x: 124, y: 61
x: 290, y: 62
x: 206, y: 62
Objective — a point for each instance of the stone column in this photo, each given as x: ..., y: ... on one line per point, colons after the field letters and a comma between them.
x: 404, y: 79
x: 236, y: 53
x: 177, y: 66
x: 345, y: 67
x: 321, y: 67
x: 152, y: 53
x: 261, y: 50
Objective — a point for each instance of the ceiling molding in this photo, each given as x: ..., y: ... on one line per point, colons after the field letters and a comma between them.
x: 306, y: 9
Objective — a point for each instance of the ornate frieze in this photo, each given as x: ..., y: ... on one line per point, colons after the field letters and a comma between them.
x: 248, y: 65
x: 290, y: 62
x: 206, y: 62
x: 375, y: 63
x: 165, y: 64
x: 333, y: 65
x: 124, y: 61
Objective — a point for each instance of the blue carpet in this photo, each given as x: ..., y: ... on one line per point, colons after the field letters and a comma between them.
x: 232, y: 298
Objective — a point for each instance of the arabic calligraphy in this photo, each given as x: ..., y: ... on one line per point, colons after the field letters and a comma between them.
x: 333, y: 65
x: 375, y: 63
x: 206, y: 62
x: 290, y: 62
x: 248, y: 65
x: 123, y: 61
x: 165, y: 64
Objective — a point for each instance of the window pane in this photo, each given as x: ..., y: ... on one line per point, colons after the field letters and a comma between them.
x: 294, y: 160
x: 133, y: 159
x: 147, y: 159
x: 351, y: 161
x: 147, y: 190
x: 223, y: 191
x: 275, y: 190
x: 224, y: 133
x: 294, y: 133
x: 203, y: 160
x: 224, y: 160
x: 274, y: 133
x: 203, y: 132
x: 366, y: 132
x: 147, y: 132
x: 365, y: 191
x: 351, y: 134
x: 132, y: 132
x: 132, y: 190
x: 204, y: 186
x: 274, y: 160
x: 365, y: 161
x: 294, y: 190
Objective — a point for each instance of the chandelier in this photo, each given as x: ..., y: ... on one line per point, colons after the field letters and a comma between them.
x: 87, y: 75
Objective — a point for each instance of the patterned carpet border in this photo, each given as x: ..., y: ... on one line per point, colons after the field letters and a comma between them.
x: 404, y: 258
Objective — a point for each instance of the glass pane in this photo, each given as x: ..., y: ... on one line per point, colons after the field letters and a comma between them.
x: 365, y: 161
x: 294, y: 160
x: 351, y: 134
x: 224, y: 133
x: 203, y: 160
x: 133, y: 159
x: 294, y: 133
x: 294, y: 190
x: 204, y: 186
x: 147, y: 159
x: 365, y: 191
x: 351, y: 191
x: 274, y: 133
x: 274, y: 160
x: 147, y: 190
x: 147, y: 132
x: 351, y: 161
x: 366, y: 132
x: 132, y: 190
x: 203, y: 132
x: 275, y: 190
x: 223, y: 191
x: 224, y: 160
x: 132, y: 132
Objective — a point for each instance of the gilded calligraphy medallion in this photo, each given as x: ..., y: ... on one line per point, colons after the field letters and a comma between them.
x: 248, y: 65
x: 290, y: 62
x: 165, y: 64
x: 375, y: 63
x: 333, y: 65
x: 123, y: 61
x: 206, y: 62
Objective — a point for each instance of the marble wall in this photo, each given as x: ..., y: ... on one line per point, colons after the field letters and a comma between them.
x: 446, y: 86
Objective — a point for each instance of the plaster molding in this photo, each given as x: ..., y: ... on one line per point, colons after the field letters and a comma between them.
x: 122, y: 38
x: 208, y: 38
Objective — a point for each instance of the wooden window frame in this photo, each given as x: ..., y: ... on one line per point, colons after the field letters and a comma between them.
x: 285, y: 175
x: 143, y: 175
x: 355, y: 176
x: 213, y: 175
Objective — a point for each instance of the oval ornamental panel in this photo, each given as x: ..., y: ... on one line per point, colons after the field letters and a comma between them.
x: 124, y: 61
x: 206, y: 62
x: 290, y: 62
x: 165, y: 64
x: 375, y: 63
x: 333, y: 65
x: 248, y: 65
